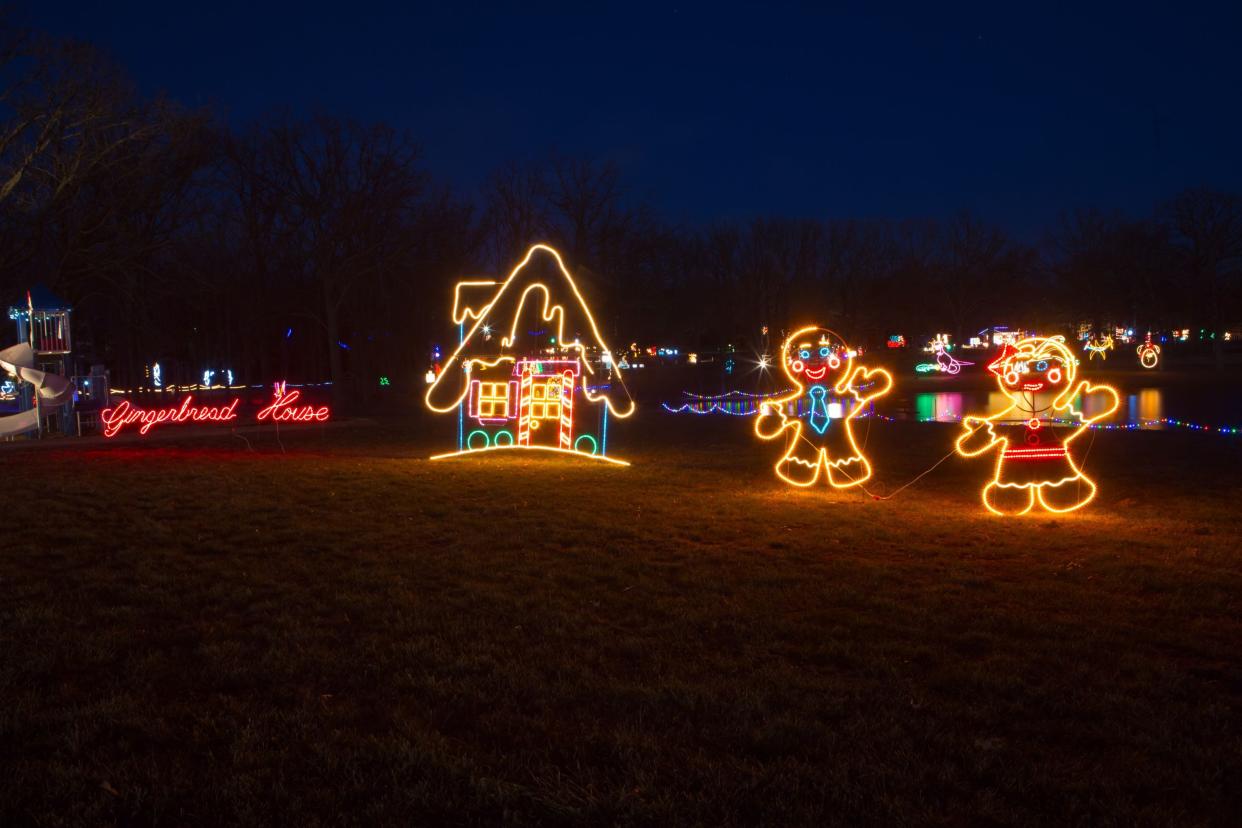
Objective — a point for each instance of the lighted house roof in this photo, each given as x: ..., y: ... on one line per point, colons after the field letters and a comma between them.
x: 501, y: 306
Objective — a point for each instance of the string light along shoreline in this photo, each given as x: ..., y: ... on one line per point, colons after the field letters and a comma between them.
x: 1138, y: 425
x: 701, y: 404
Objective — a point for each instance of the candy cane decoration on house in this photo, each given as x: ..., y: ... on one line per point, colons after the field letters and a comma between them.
x: 524, y: 409
x: 566, y: 436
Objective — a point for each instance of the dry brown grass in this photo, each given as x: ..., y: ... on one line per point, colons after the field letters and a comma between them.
x: 348, y: 634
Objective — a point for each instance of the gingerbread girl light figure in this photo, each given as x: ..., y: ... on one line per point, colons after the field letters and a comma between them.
x: 821, y: 441
x: 1032, y: 436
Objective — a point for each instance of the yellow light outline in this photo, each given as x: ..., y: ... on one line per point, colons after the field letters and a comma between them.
x: 461, y: 314
x: 776, y: 407
x: 1093, y: 348
x: 469, y: 365
x: 516, y: 447
x: 548, y: 312
x: 1147, y: 346
x: 492, y: 399
x: 1032, y: 348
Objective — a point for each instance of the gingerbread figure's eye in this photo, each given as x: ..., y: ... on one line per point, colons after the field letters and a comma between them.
x: 1042, y: 365
x: 823, y: 352
x: 805, y: 354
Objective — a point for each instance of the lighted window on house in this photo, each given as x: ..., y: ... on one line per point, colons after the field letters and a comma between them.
x: 493, y: 400
x: 545, y: 400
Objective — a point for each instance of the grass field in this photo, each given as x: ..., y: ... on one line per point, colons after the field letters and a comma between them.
x: 206, y: 632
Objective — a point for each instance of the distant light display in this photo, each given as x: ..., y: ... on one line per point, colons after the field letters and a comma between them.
x: 1099, y: 346
x: 945, y: 362
x: 1149, y: 353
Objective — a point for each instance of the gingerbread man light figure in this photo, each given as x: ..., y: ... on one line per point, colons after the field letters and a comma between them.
x: 819, y: 363
x: 1032, y: 440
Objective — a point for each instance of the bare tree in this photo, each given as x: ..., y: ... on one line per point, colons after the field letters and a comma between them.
x: 517, y: 212
x: 980, y: 273
x: 348, y: 194
x: 67, y: 111
x: 98, y: 187
x: 1207, y: 227
x: 585, y: 200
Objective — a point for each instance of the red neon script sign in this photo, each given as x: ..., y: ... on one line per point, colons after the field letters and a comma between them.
x: 283, y: 410
x: 114, y: 419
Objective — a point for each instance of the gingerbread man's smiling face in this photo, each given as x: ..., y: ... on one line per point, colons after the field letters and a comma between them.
x: 1036, y: 366
x: 815, y: 356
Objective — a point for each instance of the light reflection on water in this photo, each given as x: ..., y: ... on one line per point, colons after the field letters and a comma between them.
x: 1142, y: 406
x: 1147, y: 404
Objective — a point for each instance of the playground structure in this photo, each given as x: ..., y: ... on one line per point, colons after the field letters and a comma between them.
x: 40, y: 365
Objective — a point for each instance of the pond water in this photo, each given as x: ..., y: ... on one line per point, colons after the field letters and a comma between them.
x: 1195, y: 401
x: 1147, y: 407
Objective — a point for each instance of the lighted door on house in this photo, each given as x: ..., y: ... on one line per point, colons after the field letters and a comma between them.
x: 546, y: 409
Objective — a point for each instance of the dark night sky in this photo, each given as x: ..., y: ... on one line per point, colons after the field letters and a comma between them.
x: 1015, y: 111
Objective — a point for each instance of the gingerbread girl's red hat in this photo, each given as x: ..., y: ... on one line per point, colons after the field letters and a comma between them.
x: 997, y: 366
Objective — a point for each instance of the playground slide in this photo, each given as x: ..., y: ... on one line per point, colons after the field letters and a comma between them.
x: 52, y: 389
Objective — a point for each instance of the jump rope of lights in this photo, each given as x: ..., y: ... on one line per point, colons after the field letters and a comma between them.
x: 867, y: 436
